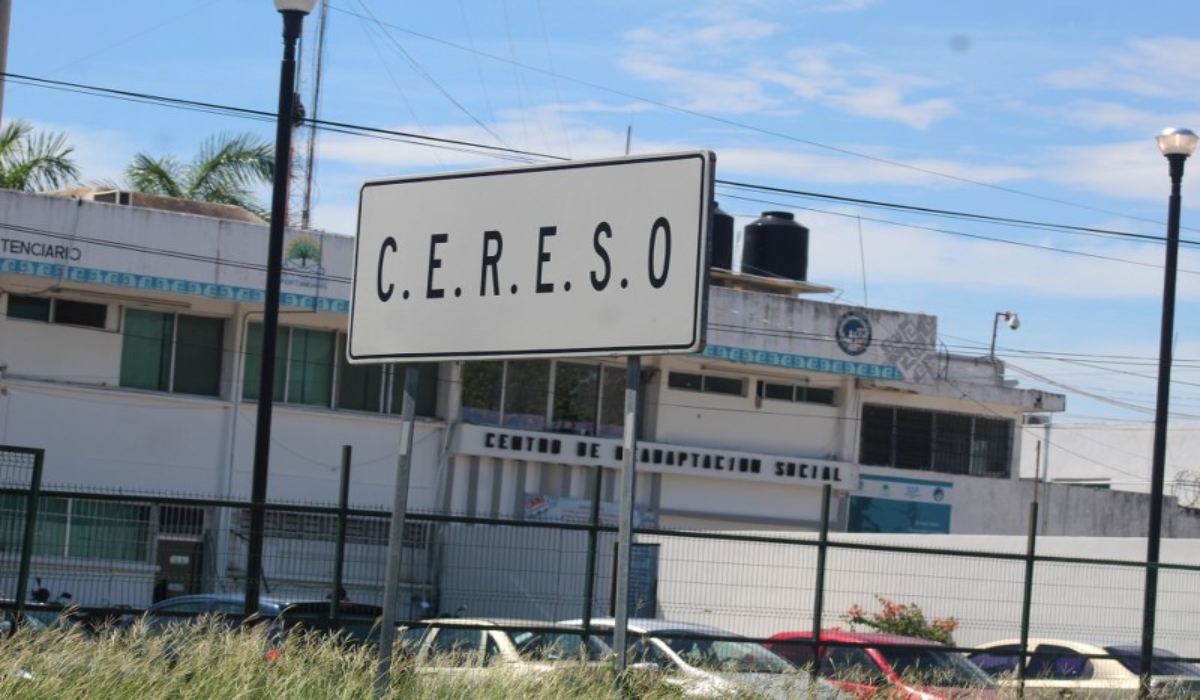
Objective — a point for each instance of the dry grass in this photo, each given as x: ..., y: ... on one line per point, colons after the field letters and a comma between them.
x: 209, y: 660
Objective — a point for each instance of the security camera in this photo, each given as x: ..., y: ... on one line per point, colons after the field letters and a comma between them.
x: 1011, y: 319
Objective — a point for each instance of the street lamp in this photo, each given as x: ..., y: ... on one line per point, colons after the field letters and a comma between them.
x: 293, y: 12
x: 1176, y: 145
x: 1010, y: 317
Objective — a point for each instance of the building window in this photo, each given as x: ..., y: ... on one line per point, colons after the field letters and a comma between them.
x: 949, y: 443
x: 77, y: 528
x: 379, y: 388
x: 309, y: 363
x: 707, y: 383
x: 584, y: 398
x: 172, y: 352
x: 54, y: 310
x: 797, y: 393
x: 321, y: 527
x: 304, y: 362
x: 425, y: 401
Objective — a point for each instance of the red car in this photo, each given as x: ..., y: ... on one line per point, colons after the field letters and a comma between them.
x: 870, y: 665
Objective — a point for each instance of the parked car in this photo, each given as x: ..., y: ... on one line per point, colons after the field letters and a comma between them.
x: 479, y: 646
x: 871, y: 665
x: 357, y: 622
x: 1056, y: 667
x: 709, y: 662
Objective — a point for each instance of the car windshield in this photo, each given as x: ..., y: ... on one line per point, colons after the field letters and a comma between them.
x: 935, y: 668
x: 1131, y: 658
x: 553, y: 646
x: 723, y: 655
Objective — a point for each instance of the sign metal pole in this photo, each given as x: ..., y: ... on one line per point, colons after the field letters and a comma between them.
x: 391, y: 583
x: 633, y: 375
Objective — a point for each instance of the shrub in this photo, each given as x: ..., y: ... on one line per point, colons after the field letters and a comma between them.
x: 903, y: 619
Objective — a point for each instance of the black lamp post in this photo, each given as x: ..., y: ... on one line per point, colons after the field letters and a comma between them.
x: 1176, y: 145
x: 293, y: 12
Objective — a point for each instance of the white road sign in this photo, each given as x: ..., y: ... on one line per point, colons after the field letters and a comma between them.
x: 601, y: 257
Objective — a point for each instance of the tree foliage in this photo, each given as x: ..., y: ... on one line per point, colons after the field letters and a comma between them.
x: 903, y: 619
x: 225, y: 171
x: 33, y: 162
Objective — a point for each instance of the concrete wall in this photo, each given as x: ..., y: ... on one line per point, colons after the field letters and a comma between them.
x: 760, y: 588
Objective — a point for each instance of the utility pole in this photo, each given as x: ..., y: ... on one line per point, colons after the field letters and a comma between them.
x: 5, y: 15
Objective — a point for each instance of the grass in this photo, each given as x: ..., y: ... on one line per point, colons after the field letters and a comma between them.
x: 210, y: 660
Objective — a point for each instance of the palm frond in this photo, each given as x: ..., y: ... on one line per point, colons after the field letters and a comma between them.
x: 161, y: 176
x: 31, y: 162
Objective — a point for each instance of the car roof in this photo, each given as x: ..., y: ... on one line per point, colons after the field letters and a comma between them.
x: 268, y: 604
x: 1085, y: 647
x: 1097, y: 648
x: 651, y: 625
x: 493, y: 622
x: 873, y: 638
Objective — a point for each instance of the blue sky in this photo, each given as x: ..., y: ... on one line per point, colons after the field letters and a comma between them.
x: 1027, y: 110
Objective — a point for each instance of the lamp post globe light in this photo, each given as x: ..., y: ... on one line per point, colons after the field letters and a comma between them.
x: 1176, y: 145
x: 293, y: 12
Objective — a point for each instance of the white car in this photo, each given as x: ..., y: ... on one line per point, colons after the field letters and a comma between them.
x: 1058, y: 667
x: 710, y: 662
x: 482, y: 645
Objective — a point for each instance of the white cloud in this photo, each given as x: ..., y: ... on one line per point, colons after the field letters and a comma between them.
x: 1147, y: 67
x: 720, y: 62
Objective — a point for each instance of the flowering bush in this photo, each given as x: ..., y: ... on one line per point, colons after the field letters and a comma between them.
x: 908, y: 620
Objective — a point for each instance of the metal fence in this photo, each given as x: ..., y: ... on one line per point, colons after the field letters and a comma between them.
x: 107, y: 550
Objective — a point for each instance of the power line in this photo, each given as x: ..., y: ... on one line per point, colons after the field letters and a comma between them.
x: 749, y: 127
x: 526, y: 155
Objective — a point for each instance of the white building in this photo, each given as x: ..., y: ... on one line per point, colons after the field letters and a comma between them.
x: 128, y: 351
x: 1114, y: 456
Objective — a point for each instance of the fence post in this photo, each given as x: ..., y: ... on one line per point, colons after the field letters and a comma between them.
x: 339, y: 547
x: 589, y: 576
x: 819, y: 583
x: 1027, y: 596
x: 31, y: 516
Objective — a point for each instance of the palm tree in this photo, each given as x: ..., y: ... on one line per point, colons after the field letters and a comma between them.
x: 225, y: 171
x: 30, y: 162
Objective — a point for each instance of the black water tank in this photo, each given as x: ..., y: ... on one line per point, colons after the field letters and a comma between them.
x: 722, y: 240
x: 775, y: 246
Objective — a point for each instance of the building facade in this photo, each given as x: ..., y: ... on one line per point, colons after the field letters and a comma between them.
x: 130, y: 348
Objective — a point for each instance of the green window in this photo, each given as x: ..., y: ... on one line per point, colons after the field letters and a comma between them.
x: 68, y: 527
x: 172, y: 352
x: 310, y: 363
x: 304, y: 362
x: 360, y: 387
x: 427, y: 385
x: 29, y: 308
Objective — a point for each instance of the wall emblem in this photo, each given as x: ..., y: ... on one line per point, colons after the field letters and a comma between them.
x: 853, y: 333
x: 303, y: 254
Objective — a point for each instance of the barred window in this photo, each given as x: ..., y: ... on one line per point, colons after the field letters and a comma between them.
x: 949, y: 443
x: 292, y: 525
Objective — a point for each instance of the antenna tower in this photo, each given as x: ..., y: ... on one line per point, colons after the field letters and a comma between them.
x: 304, y: 144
